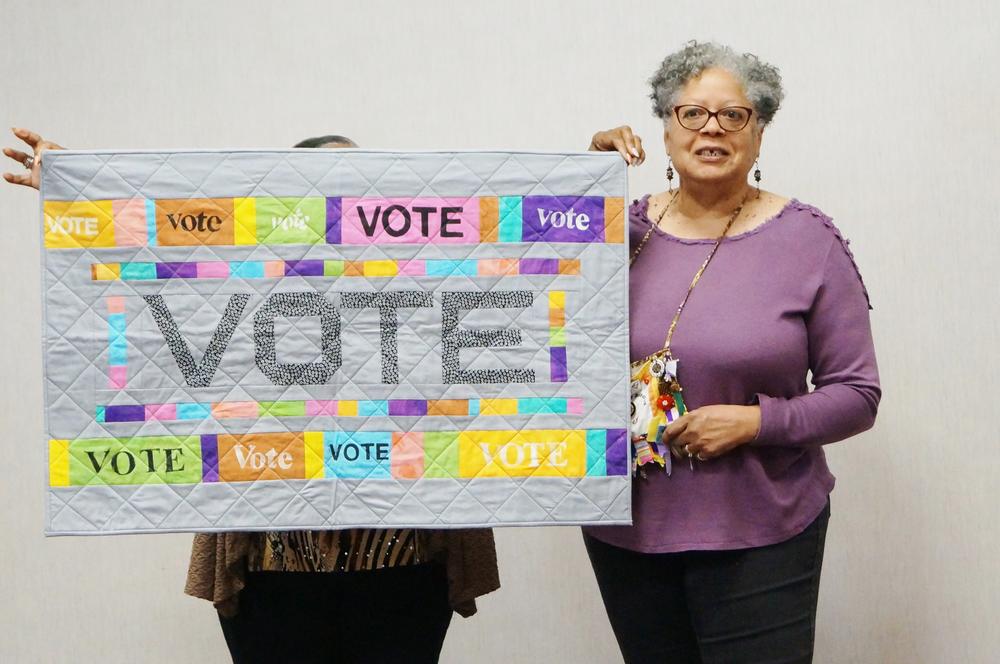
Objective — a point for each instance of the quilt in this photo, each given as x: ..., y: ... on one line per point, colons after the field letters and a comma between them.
x: 322, y: 339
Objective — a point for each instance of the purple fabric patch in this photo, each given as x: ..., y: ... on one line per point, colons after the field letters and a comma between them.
x: 407, y: 407
x: 333, y: 220
x: 125, y: 414
x: 562, y: 219
x: 176, y: 270
x: 539, y: 266
x: 303, y: 268
x: 209, y: 458
x: 557, y: 364
x: 617, y: 456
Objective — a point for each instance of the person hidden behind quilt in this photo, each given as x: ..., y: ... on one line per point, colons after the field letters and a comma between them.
x: 309, y: 596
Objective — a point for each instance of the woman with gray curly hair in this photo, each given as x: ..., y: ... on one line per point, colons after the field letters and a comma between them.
x: 736, y: 294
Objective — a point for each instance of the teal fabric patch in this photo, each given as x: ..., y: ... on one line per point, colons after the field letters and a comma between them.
x: 510, y: 219
x: 193, y: 411
x: 596, y: 452
x: 370, y: 408
x: 138, y: 271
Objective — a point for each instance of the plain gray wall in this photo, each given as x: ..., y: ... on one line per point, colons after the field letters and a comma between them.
x: 890, y: 126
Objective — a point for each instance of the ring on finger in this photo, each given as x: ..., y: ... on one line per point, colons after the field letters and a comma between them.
x: 687, y: 450
x: 29, y: 162
x: 701, y: 457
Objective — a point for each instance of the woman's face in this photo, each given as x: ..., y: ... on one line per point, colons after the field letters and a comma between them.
x: 712, y: 154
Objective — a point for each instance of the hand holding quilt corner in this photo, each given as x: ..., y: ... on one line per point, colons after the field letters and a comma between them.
x: 622, y: 140
x: 31, y: 161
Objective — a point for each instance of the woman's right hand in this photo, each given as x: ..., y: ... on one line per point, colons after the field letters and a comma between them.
x: 622, y: 140
x: 29, y: 178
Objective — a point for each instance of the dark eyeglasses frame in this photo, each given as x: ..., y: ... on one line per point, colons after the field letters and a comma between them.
x: 712, y: 114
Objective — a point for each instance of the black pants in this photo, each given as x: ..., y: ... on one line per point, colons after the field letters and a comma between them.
x: 709, y: 607
x: 398, y: 614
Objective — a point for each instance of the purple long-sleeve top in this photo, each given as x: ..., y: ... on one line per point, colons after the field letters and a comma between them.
x: 776, y: 302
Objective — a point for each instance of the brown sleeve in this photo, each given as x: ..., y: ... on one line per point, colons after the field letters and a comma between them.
x: 217, y: 568
x: 470, y: 560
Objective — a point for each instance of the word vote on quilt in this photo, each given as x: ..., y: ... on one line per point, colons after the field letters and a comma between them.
x: 250, y: 340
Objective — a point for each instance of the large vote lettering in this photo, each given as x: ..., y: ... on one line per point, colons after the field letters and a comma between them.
x: 312, y: 304
x: 332, y: 339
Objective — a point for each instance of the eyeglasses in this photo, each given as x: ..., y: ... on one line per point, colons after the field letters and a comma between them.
x: 731, y: 118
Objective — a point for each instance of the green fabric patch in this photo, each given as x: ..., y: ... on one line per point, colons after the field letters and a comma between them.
x: 440, y: 454
x: 139, y: 460
x: 291, y: 220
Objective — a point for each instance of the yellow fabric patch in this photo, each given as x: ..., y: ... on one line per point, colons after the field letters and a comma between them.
x: 105, y: 271
x: 314, y: 454
x: 498, y: 406
x: 76, y: 224
x: 58, y: 463
x: 246, y: 220
x: 380, y: 268
x: 539, y: 453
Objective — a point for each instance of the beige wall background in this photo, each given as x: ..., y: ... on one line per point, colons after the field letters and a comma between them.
x: 890, y: 125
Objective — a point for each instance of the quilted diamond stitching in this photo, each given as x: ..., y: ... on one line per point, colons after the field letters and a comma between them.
x: 373, y: 188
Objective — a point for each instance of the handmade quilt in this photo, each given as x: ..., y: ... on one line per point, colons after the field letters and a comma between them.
x: 309, y: 339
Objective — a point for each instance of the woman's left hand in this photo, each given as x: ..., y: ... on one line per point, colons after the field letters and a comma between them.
x: 711, y: 431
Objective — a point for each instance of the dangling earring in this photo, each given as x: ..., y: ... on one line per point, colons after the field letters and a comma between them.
x: 670, y: 173
x: 756, y: 176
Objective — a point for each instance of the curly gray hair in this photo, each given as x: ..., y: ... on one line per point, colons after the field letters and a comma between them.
x: 761, y: 81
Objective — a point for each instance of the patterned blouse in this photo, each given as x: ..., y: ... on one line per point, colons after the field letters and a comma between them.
x: 332, y: 550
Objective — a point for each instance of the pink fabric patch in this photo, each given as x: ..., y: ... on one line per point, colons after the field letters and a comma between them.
x: 130, y: 222
x: 274, y: 268
x: 407, y: 457
x: 317, y: 408
x: 574, y: 406
x: 117, y: 376
x: 164, y: 411
x: 414, y: 268
x: 116, y: 304
x: 463, y: 222
x: 213, y: 270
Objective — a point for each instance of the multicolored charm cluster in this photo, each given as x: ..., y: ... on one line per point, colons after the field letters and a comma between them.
x: 656, y: 402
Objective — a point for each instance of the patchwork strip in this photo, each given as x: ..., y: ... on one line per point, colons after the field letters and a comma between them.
x: 229, y: 457
x: 117, y: 344
x: 557, y: 336
x: 332, y: 220
x: 473, y: 267
x: 225, y: 410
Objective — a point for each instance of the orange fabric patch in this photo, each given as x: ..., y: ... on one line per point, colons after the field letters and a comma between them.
x: 489, y: 218
x: 261, y: 456
x: 569, y: 266
x: 407, y: 455
x: 448, y: 407
x: 195, y: 221
x: 274, y: 268
x: 614, y: 220
x: 497, y: 267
